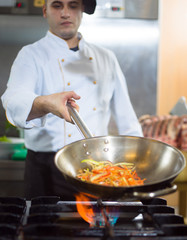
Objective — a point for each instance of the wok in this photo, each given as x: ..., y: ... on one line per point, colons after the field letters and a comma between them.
x: 154, y: 160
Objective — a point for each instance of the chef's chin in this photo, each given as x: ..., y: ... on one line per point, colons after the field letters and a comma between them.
x: 67, y: 35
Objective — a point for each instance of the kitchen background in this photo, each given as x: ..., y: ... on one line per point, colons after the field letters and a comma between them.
x: 148, y: 37
x: 131, y: 31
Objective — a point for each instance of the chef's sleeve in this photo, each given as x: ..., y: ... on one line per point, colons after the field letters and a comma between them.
x: 121, y: 105
x: 18, y: 98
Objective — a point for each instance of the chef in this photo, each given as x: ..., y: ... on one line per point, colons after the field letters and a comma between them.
x: 45, y: 75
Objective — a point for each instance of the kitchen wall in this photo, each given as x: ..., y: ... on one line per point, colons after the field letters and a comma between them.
x: 172, y: 60
x: 134, y: 41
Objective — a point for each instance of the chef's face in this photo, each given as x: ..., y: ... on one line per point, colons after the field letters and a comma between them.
x: 64, y: 17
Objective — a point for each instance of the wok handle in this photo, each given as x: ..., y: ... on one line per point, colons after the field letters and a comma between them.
x: 79, y: 122
x: 157, y: 193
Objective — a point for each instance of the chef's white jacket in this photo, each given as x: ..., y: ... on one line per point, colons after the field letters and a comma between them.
x: 49, y: 66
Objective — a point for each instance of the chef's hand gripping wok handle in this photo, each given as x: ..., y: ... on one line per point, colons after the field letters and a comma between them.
x: 79, y: 122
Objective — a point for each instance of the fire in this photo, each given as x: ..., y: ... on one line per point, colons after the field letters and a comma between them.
x: 86, y: 211
x: 85, y: 208
x: 96, y: 214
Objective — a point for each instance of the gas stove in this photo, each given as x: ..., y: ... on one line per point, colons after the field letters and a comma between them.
x: 51, y: 218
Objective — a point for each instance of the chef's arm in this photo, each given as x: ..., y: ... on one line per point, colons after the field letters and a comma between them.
x: 55, y: 104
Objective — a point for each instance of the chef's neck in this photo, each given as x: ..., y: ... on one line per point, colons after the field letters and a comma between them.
x: 73, y: 42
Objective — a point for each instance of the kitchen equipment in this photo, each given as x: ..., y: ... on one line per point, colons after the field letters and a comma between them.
x: 54, y: 219
x: 142, y: 9
x: 156, y: 161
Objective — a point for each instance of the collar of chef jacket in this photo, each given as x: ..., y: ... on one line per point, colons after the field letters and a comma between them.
x: 62, y: 43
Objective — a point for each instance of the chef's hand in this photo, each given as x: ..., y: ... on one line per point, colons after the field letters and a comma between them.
x: 55, y: 104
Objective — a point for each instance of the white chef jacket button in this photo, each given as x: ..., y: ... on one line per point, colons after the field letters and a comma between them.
x: 62, y: 60
x: 69, y: 135
x: 90, y: 58
x: 94, y: 108
x: 69, y: 83
x: 94, y: 82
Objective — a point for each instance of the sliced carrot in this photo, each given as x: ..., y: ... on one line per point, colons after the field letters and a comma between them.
x: 106, y: 173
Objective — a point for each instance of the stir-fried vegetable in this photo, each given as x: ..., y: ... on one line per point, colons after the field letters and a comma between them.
x: 107, y: 173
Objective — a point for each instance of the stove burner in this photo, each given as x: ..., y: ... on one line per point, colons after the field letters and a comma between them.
x: 12, y: 211
x: 51, y: 218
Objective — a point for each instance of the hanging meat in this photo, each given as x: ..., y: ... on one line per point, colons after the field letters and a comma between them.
x: 170, y: 129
